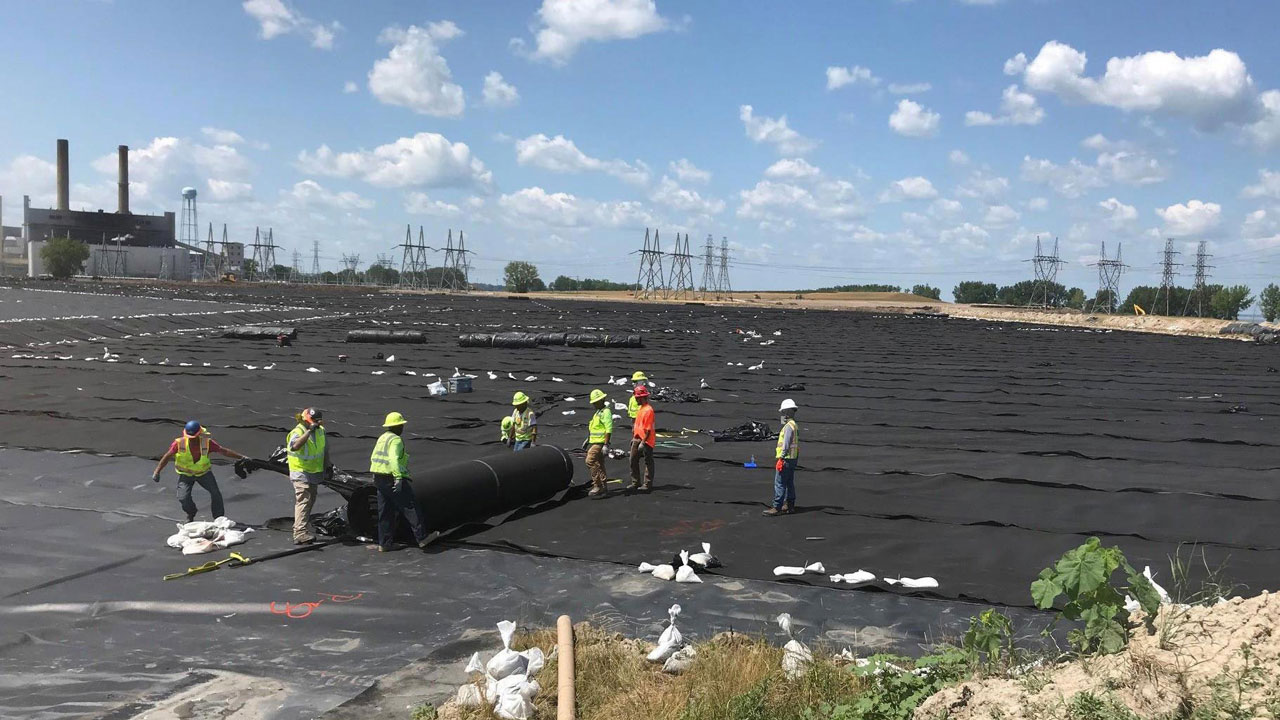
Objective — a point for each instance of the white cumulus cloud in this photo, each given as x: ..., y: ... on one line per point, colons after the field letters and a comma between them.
x: 909, y: 188
x: 498, y: 92
x: 998, y: 216
x: 792, y: 169
x: 309, y: 193
x: 671, y: 194
x: 564, y: 25
x: 1189, y: 220
x: 914, y: 120
x: 560, y: 154
x: 1268, y: 186
x: 533, y: 204
x: 909, y: 88
x: 229, y: 190
x: 958, y: 157
x: 350, y: 86
x: 418, y: 203
x: 774, y: 131
x: 838, y: 77
x: 414, y: 74
x: 426, y: 159
x: 1117, y: 213
x: 276, y: 18
x: 1016, y: 64
x: 1016, y: 108
x: 686, y: 171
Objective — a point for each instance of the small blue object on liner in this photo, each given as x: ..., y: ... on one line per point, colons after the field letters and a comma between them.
x: 750, y: 463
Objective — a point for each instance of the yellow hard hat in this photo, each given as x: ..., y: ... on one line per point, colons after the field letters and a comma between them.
x: 394, y: 419
x: 519, y: 399
x: 637, y: 376
x: 597, y: 396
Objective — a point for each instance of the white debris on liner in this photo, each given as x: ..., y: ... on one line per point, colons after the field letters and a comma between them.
x: 569, y: 412
x: 664, y: 572
x: 704, y: 385
x: 621, y: 381
x: 853, y: 578
x: 437, y: 389
x: 784, y: 570
x: 556, y: 379
x: 378, y: 372
x: 756, y: 367
x: 795, y: 656
x: 1132, y: 605
x: 705, y: 558
x: 685, y: 573
x: 569, y: 399
x: 390, y: 358
x: 311, y: 369
x: 409, y: 372
x: 619, y: 406
x: 915, y: 583
x: 670, y: 640
x: 511, y: 376
x: 492, y: 375
x: 272, y: 366
x: 250, y: 367
x: 816, y: 568
x: 777, y: 332
x: 197, y: 538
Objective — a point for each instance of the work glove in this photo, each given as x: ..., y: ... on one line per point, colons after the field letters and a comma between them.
x: 778, y: 466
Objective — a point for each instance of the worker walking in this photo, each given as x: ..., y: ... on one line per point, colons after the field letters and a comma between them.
x: 524, y: 423
x: 599, y: 431
x: 638, y: 379
x: 788, y: 454
x: 389, y: 464
x: 308, y: 454
x: 643, y: 438
x: 190, y: 456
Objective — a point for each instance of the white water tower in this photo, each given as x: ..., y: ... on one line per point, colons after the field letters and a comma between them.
x: 187, y: 228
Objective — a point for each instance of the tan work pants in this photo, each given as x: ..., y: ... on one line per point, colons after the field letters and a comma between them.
x: 641, y: 451
x: 595, y: 465
x: 304, y: 499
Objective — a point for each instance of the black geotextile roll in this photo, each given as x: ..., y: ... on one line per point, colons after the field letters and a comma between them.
x: 529, y: 340
x: 472, y: 491
x: 259, y: 332
x: 386, y: 336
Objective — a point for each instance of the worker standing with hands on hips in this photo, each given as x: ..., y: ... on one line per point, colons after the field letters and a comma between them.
x: 788, y: 454
x: 524, y: 423
x: 190, y: 456
x: 308, y: 453
x: 389, y: 464
x: 638, y: 379
x: 643, y: 438
x: 599, y: 430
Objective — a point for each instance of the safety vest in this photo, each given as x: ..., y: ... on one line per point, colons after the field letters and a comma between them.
x: 633, y: 407
x: 389, y: 456
x: 507, y: 422
x: 600, y: 427
x: 310, y: 458
x: 795, y: 442
x: 187, y: 465
x: 523, y: 424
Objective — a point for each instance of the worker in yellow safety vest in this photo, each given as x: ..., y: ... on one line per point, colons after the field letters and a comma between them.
x: 787, y: 454
x: 308, y: 454
x: 389, y: 464
x: 599, y: 431
x: 524, y: 423
x: 507, y: 423
x: 638, y: 379
x: 190, y: 456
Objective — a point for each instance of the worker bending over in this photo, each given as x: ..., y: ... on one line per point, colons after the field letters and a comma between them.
x: 638, y: 379
x: 524, y: 423
x: 389, y: 464
x: 190, y: 455
x: 308, y: 453
x: 788, y: 454
x: 643, y: 438
x: 599, y: 430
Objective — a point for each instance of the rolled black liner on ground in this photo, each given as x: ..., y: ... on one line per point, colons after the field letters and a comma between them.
x: 529, y: 340
x: 259, y: 332
x: 386, y: 336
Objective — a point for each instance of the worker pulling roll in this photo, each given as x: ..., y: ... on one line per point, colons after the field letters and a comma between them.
x: 599, y: 431
x: 389, y: 464
x: 787, y: 454
x: 308, y: 455
x: 524, y: 423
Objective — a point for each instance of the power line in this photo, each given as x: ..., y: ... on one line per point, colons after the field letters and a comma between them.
x: 650, y: 280
x: 1046, y: 270
x: 1109, y: 272
x: 1167, y: 275
x: 1201, y: 289
x: 680, y: 285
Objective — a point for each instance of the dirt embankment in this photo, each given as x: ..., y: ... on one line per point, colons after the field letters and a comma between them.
x: 1219, y: 661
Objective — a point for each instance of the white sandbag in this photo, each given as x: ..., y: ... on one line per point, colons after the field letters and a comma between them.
x: 784, y: 570
x: 232, y: 537
x: 509, y: 685
x: 507, y: 661
x: 198, y: 546
x: 784, y: 623
x: 704, y: 558
x: 854, y: 578
x: 469, y: 696
x: 534, y: 660
x: 796, y: 658
x: 647, y: 567
x: 1146, y: 572
x: 513, y: 706
x: 664, y: 572
x: 680, y: 660
x: 176, y: 540
x: 914, y: 583
x: 437, y: 389
x: 686, y: 575
x: 670, y: 640
x: 816, y: 568
x: 474, y: 665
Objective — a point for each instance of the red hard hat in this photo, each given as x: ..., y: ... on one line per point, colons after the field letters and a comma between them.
x: 641, y: 391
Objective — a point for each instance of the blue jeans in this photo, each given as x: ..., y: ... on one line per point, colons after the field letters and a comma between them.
x: 393, y: 501
x: 209, y: 483
x: 521, y: 445
x: 784, y: 485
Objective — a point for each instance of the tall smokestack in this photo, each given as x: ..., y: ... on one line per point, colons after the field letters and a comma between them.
x: 122, y: 192
x: 64, y: 183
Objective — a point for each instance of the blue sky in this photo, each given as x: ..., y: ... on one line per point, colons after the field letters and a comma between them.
x: 831, y: 142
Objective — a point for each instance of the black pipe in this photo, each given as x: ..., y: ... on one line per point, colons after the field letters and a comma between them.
x: 386, y: 336
x: 472, y: 491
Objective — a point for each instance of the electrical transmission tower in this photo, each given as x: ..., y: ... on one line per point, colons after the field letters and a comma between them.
x: 211, y: 260
x: 453, y: 273
x: 650, y: 280
x: 264, y: 254
x: 709, y: 270
x: 350, y: 266
x: 723, y: 286
x: 1046, y: 269
x: 315, y: 261
x: 1200, y: 293
x: 1167, y: 274
x: 1109, y: 272
x: 413, y: 260
x: 680, y: 284
x: 294, y: 272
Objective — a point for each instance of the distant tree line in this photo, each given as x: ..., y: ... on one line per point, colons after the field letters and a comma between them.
x: 563, y: 283
x: 922, y: 290
x: 1217, y: 301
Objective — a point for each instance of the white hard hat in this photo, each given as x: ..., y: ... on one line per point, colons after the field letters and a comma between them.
x: 787, y: 404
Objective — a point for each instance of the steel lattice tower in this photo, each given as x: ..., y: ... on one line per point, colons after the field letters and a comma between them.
x: 709, y: 270
x: 1046, y: 270
x: 315, y: 261
x: 723, y: 286
x: 264, y: 254
x: 1201, y: 289
x: 649, y: 280
x: 294, y: 272
x: 680, y: 283
x: 212, y: 260
x: 1109, y: 272
x: 412, y: 272
x: 350, y: 263
x: 1167, y: 275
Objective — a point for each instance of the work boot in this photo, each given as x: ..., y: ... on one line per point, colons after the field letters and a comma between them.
x: 191, y: 518
x: 597, y: 491
x: 304, y: 540
x: 430, y: 538
x: 771, y: 512
x: 635, y: 485
x: 646, y: 486
x: 786, y: 509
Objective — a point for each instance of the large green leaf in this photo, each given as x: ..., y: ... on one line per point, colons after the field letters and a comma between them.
x: 1044, y: 591
x: 1082, y: 572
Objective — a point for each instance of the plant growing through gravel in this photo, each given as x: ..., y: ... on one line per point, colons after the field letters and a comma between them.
x: 1084, y: 576
x: 990, y: 635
